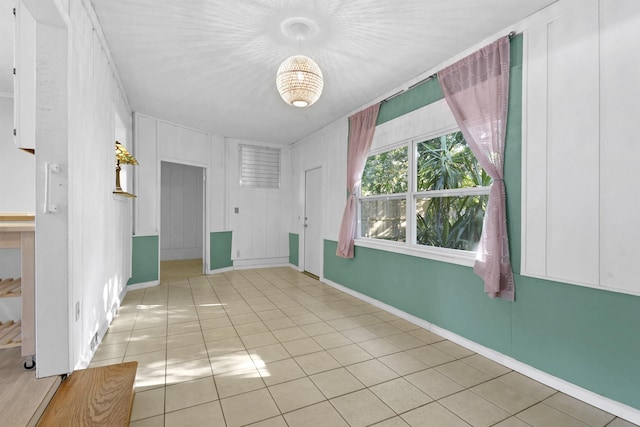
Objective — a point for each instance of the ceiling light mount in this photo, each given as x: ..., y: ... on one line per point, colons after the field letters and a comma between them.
x: 299, y: 79
x: 299, y: 28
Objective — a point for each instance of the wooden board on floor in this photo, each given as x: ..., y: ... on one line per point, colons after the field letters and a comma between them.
x: 100, y: 396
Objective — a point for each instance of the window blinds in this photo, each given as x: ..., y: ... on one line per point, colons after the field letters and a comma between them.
x: 259, y: 166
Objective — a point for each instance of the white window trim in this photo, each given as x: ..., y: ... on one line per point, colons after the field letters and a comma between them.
x: 452, y: 256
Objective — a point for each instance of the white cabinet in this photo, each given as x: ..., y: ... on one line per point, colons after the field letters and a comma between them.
x: 579, y: 175
x: 24, y: 78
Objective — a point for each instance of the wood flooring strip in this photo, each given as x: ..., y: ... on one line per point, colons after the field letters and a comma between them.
x: 22, y: 396
x: 100, y: 396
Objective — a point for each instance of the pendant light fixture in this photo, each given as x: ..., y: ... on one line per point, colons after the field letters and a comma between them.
x: 299, y: 79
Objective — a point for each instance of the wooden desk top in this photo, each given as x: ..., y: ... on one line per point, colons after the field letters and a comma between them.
x: 17, y: 216
x: 15, y: 222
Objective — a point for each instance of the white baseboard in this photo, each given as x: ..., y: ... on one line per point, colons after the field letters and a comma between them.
x: 96, y: 340
x: 614, y: 407
x: 242, y: 264
x: 296, y: 267
x: 246, y: 264
x: 219, y: 270
x: 143, y: 285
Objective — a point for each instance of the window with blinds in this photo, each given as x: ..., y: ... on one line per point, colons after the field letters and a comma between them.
x: 259, y: 166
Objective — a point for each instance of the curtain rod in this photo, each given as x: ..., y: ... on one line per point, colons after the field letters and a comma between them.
x: 401, y: 91
x: 511, y: 35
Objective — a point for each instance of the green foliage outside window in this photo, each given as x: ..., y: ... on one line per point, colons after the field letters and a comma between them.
x: 442, y: 220
x: 450, y: 221
x: 386, y: 173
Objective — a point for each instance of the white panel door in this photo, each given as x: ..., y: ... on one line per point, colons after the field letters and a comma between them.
x: 313, y: 222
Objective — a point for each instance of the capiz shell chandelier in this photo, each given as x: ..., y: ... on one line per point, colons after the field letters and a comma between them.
x: 299, y: 81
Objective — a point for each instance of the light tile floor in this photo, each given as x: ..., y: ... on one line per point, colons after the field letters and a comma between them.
x: 273, y: 347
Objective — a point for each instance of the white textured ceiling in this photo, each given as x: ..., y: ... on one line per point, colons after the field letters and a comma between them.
x: 211, y: 64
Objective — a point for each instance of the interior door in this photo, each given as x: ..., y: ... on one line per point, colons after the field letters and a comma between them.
x: 313, y: 222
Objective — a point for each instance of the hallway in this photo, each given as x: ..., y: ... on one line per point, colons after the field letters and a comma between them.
x: 277, y: 348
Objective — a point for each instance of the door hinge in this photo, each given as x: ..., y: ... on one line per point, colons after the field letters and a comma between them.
x: 14, y: 132
x: 14, y: 11
x: 14, y: 71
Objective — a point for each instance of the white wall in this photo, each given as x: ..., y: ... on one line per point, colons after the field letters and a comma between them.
x: 101, y: 223
x: 181, y: 231
x: 578, y: 154
x: 82, y: 249
x: 260, y: 235
x: 326, y: 148
x: 579, y: 150
x: 160, y: 141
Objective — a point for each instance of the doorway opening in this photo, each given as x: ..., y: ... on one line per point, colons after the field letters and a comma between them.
x: 182, y: 215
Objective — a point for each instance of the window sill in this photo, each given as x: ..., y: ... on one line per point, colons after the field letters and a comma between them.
x: 451, y: 256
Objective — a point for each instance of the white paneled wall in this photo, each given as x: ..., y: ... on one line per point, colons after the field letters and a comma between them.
x: 260, y: 235
x: 564, y: 146
x: 260, y: 229
x: 83, y: 239
x: 619, y: 145
x: 146, y: 176
x: 578, y: 150
x: 182, y: 231
x: 160, y: 141
x: 100, y: 223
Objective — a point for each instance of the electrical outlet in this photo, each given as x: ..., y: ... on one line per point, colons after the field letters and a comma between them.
x: 236, y: 210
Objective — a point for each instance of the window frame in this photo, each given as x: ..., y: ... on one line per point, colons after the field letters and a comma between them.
x: 410, y: 246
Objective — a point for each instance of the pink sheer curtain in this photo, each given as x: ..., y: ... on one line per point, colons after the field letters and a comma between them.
x: 476, y: 89
x: 361, y: 128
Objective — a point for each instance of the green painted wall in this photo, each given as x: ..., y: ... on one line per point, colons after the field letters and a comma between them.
x: 144, y: 259
x: 586, y: 336
x: 421, y: 95
x: 220, y: 250
x: 294, y: 241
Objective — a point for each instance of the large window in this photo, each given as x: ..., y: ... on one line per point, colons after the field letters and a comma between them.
x: 425, y: 193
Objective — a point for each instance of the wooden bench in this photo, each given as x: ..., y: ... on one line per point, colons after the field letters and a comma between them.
x: 100, y: 396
